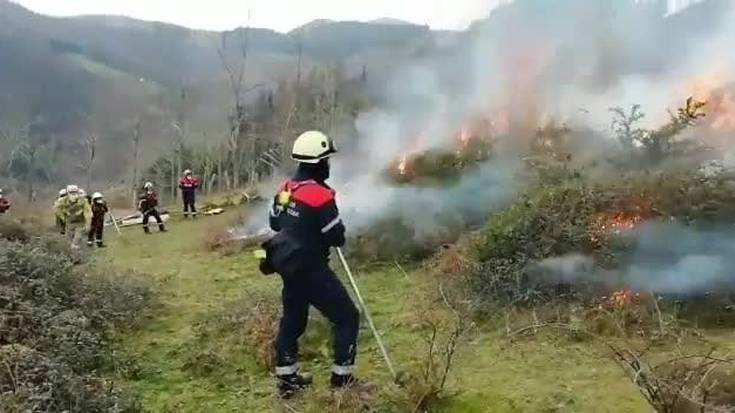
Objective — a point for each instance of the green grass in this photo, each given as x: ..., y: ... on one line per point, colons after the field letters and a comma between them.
x: 492, y: 374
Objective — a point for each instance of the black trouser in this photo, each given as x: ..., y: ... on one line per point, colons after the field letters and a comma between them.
x: 189, y: 201
x: 321, y: 288
x: 153, y: 212
x: 95, y: 231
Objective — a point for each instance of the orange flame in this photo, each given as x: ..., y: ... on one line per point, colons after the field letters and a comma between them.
x: 718, y: 90
x: 402, y: 164
x: 723, y: 112
x: 612, y: 224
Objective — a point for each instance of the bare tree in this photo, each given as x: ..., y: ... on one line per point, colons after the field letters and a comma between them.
x: 30, y: 155
x: 180, y: 134
x: 136, y: 154
x: 238, y: 118
x: 625, y: 126
x: 90, y: 148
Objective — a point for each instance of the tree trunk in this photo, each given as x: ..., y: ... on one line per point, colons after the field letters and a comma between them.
x: 30, y: 176
x: 91, y: 154
x: 136, y: 153
x: 172, y: 176
x: 219, y: 169
x: 236, y: 159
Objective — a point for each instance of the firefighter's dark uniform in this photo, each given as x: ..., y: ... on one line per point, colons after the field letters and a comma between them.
x: 4, y: 205
x: 99, y: 209
x: 188, y: 186
x: 305, y: 212
x: 148, y: 205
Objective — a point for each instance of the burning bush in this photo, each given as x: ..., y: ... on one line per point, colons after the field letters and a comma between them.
x: 55, y: 326
x: 655, y: 145
x: 588, y: 218
x: 473, y: 146
x: 393, y: 238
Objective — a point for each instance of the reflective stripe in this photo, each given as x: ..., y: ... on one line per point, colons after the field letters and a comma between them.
x: 287, y: 370
x: 342, y: 370
x: 331, y: 225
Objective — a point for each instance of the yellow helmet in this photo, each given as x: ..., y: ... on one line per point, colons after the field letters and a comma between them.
x: 311, y: 147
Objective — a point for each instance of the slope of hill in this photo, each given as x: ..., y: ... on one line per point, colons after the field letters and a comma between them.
x: 102, y: 72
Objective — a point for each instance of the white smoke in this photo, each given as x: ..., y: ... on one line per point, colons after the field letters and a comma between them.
x: 666, y: 258
x: 529, y: 61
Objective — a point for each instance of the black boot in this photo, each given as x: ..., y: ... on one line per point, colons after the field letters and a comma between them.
x: 146, y: 230
x: 101, y: 244
x: 348, y: 381
x: 161, y: 228
x: 291, y: 384
x: 339, y: 381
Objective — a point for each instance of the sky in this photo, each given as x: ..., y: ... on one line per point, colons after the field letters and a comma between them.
x: 280, y: 15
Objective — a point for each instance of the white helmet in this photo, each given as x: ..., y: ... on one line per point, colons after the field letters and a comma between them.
x: 82, y: 192
x: 96, y: 195
x: 311, y: 147
x: 62, y: 192
x: 72, y: 189
x: 148, y: 185
x: 187, y: 172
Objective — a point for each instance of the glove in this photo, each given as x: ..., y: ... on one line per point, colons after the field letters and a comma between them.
x: 264, y: 264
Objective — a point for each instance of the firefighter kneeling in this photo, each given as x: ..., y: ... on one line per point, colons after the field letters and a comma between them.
x: 305, y: 216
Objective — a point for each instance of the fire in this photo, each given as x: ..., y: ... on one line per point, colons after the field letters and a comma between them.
x: 402, y: 163
x: 613, y: 224
x: 718, y: 89
x: 464, y: 138
x: 619, y: 223
x: 723, y: 111
x: 464, y: 135
x: 622, y: 299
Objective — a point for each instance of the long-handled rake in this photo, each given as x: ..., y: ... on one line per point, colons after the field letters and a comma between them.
x: 369, y: 319
x: 114, y: 222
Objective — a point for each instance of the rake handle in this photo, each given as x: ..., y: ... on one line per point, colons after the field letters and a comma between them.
x: 365, y: 311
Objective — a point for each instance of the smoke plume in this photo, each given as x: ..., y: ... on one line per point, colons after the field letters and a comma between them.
x: 666, y: 258
x: 528, y: 62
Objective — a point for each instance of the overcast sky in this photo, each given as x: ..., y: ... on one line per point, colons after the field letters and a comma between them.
x: 281, y: 15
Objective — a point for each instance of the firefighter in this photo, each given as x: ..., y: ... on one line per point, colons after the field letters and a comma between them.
x: 188, y: 185
x: 305, y: 216
x: 76, y: 213
x: 148, y: 206
x: 4, y: 203
x: 99, y: 209
x: 60, y: 224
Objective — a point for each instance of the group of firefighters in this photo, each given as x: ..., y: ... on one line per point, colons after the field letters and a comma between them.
x: 79, y: 215
x: 306, y: 222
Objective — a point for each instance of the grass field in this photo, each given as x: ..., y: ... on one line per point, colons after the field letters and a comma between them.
x: 180, y: 370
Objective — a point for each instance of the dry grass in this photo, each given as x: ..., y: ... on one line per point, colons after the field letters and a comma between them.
x: 218, y: 235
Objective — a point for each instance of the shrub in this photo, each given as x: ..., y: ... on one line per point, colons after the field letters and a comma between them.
x: 56, y: 326
x: 251, y: 321
x: 579, y: 215
x: 32, y: 382
x: 13, y: 230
